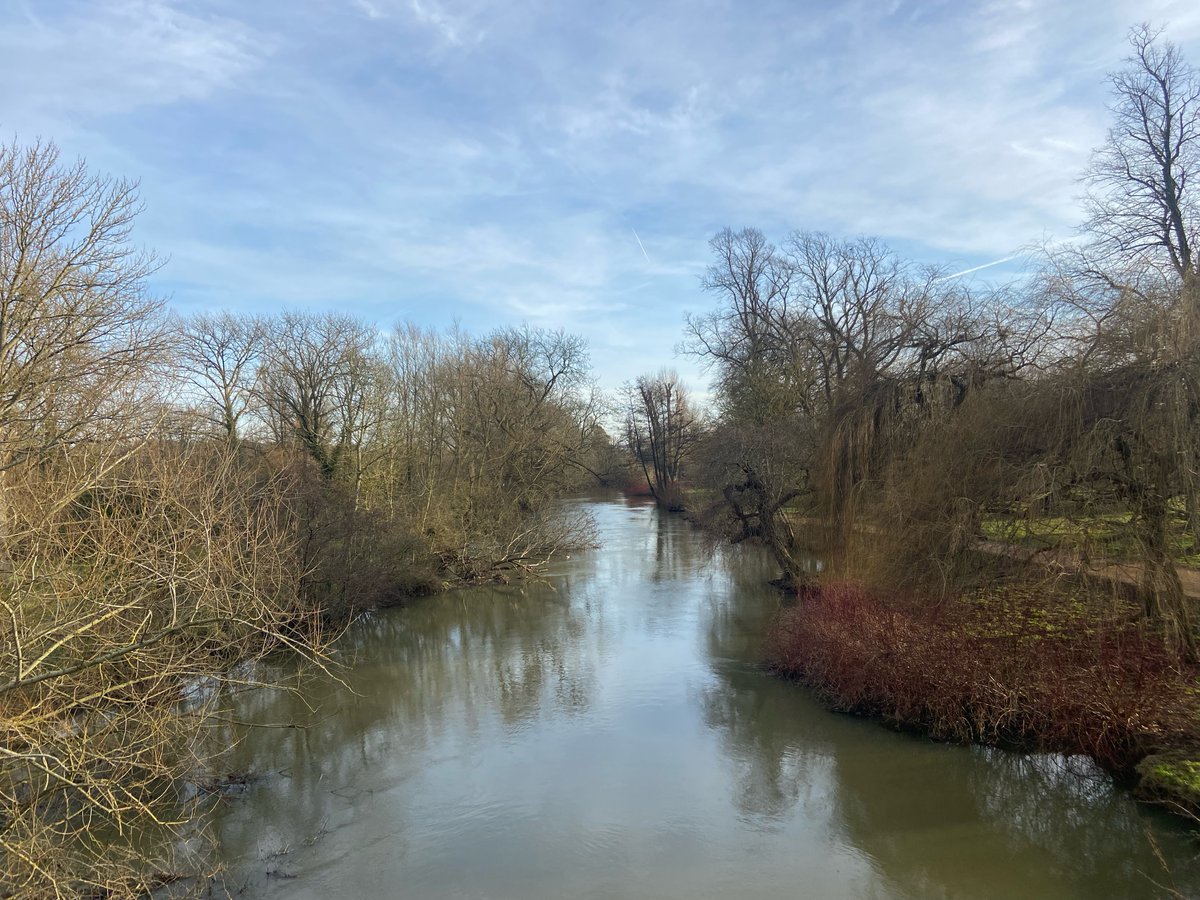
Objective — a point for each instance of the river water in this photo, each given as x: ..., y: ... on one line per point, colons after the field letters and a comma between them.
x: 608, y: 734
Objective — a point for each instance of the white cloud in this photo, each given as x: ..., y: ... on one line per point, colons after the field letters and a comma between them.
x: 97, y: 60
x: 454, y: 24
x: 369, y: 9
x: 430, y: 12
x: 489, y: 160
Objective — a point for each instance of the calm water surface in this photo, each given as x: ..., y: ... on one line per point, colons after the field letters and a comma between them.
x: 609, y: 735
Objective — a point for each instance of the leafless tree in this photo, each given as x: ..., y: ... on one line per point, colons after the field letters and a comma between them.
x: 1129, y: 320
x: 815, y: 347
x: 134, y: 566
x: 1142, y: 203
x: 661, y: 429
x: 524, y: 410
x: 220, y: 353
x: 79, y: 331
x: 311, y: 381
x: 477, y: 437
x: 750, y: 331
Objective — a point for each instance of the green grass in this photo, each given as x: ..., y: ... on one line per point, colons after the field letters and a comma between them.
x: 1029, y: 613
x: 1173, y: 778
x: 1107, y: 535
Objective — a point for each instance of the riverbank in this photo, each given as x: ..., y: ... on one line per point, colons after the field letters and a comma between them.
x: 1009, y: 666
x: 552, y: 735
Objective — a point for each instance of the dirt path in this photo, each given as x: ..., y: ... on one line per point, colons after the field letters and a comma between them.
x: 1070, y: 563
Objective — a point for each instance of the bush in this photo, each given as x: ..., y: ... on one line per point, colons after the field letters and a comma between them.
x: 1002, y: 668
x: 353, y: 559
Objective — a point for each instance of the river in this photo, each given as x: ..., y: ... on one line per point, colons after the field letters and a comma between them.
x: 608, y: 734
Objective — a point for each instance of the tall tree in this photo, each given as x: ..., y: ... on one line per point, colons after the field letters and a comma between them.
x: 220, y: 353
x: 79, y: 331
x: 134, y: 566
x: 660, y: 430
x: 78, y: 327
x: 1133, y: 295
x: 311, y: 381
x: 1142, y: 201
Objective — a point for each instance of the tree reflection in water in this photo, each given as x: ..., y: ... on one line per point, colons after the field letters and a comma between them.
x: 454, y: 667
x: 610, y: 733
x: 936, y: 820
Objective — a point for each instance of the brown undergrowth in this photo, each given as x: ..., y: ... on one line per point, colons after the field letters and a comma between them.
x: 1003, y: 667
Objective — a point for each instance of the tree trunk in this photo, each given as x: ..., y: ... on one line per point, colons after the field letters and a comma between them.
x: 1162, y: 592
x: 764, y: 519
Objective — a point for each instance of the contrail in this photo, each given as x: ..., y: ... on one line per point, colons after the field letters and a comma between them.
x: 977, y: 268
x: 639, y: 240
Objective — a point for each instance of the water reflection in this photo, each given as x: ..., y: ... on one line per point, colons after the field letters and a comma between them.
x: 610, y: 734
x: 937, y: 820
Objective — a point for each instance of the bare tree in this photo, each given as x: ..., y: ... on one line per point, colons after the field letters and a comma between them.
x: 830, y: 356
x: 416, y: 426
x: 220, y: 352
x: 660, y: 430
x: 523, y: 414
x: 756, y: 341
x: 1130, y: 319
x: 134, y: 566
x: 857, y: 302
x: 79, y: 331
x: 1142, y: 202
x: 311, y: 382
x: 474, y: 439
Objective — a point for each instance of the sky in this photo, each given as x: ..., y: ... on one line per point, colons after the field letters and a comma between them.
x: 491, y: 162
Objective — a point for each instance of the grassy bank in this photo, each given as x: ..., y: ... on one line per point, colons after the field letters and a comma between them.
x: 1010, y: 666
x: 1108, y: 535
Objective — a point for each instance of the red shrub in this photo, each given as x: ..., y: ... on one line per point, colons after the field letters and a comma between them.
x: 996, y: 673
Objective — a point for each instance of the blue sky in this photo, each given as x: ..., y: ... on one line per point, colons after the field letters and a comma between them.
x: 488, y: 161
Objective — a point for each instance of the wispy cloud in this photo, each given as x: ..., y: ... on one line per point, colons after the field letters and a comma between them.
x: 430, y: 12
x: 86, y: 60
x: 433, y: 159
